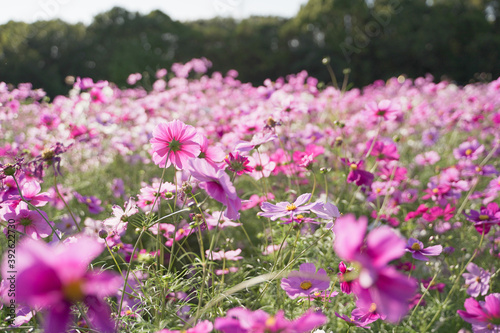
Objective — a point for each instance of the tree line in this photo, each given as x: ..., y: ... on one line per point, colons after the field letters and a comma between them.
x: 457, y: 40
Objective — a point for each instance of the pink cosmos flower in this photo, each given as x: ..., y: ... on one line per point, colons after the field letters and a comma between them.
x: 202, y: 327
x: 351, y: 321
x: 31, y: 192
x: 418, y: 251
x: 282, y: 209
x: 435, y: 213
x: 255, y: 200
x: 357, y: 174
x: 477, y: 280
x: 217, y: 219
x: 257, y: 140
x: 486, y: 217
x: 118, y: 223
x: 261, y: 164
x: 217, y: 184
x: 92, y: 202
x: 240, y: 320
x: 484, y: 316
x: 212, y: 154
x: 384, y: 109
x: 228, y: 255
x: 470, y: 150
x: 383, y: 150
x: 55, y: 278
x: 27, y: 221
x: 377, y: 282
x: 175, y: 140
x: 427, y: 158
x: 305, y: 281
x: 237, y: 163
x: 346, y: 281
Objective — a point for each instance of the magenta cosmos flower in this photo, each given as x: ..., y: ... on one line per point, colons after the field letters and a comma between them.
x: 240, y: 320
x: 55, y: 278
x: 218, y: 185
x: 282, y: 209
x: 484, y: 316
x: 203, y: 327
x: 418, y: 251
x: 485, y: 218
x: 376, y: 281
x: 305, y: 281
x: 176, y: 141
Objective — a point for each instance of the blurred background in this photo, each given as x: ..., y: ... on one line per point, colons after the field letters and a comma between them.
x: 456, y: 40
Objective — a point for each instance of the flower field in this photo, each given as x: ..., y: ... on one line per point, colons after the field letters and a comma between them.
x: 197, y: 203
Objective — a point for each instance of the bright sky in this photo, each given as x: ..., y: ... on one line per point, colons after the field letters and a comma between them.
x: 73, y: 11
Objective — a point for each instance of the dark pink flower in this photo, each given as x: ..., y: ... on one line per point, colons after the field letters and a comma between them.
x: 237, y: 163
x: 435, y: 213
x: 55, y: 278
x: 382, y: 150
x: 175, y: 140
x: 357, y: 174
x: 484, y: 316
x: 240, y: 320
x: 377, y: 282
x: 217, y: 184
x: 345, y: 280
x: 485, y: 218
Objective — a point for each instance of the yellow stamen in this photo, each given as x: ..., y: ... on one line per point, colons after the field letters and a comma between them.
x: 373, y: 307
x: 354, y: 166
x: 305, y: 285
x: 435, y: 190
x: 300, y: 216
x: 416, y: 247
x: 271, y: 321
x: 468, y: 152
x: 484, y: 217
x: 291, y: 207
x: 73, y: 291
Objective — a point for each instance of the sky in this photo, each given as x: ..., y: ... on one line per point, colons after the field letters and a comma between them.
x: 74, y: 11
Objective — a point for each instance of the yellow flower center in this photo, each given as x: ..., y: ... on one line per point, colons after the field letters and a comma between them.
x: 300, y: 216
x: 373, y: 307
x: 484, y: 217
x: 468, y: 152
x: 378, y: 190
x: 291, y: 207
x: 88, y: 200
x: 435, y: 190
x: 354, y: 166
x: 48, y: 154
x: 181, y: 231
x: 73, y: 291
x: 416, y: 247
x: 305, y: 285
x: 479, y: 169
x: 270, y: 321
